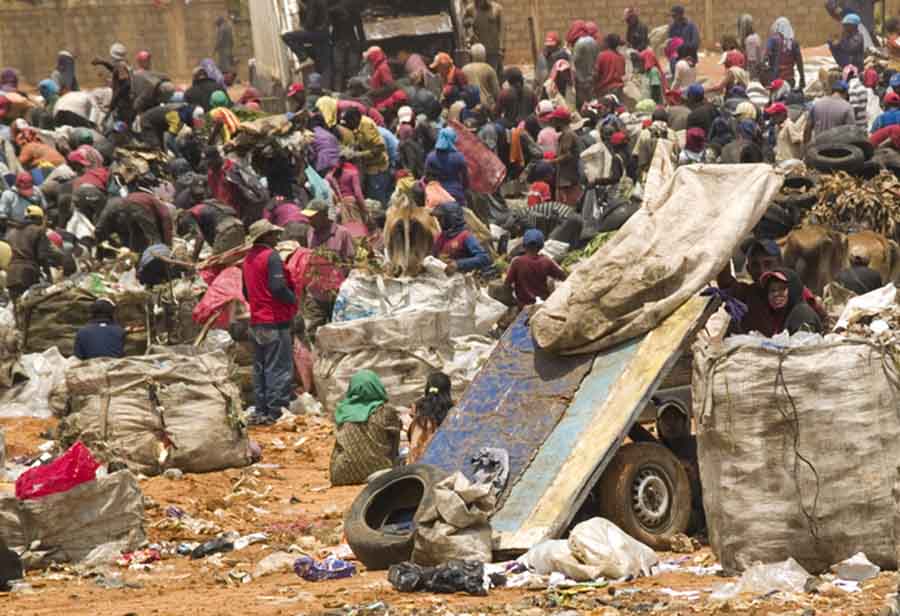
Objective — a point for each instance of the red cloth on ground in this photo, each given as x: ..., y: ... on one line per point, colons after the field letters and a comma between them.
x: 226, y: 290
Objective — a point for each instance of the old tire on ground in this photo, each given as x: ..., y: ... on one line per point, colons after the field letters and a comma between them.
x: 829, y: 158
x: 618, y: 216
x: 797, y: 200
x: 646, y: 492
x: 846, y: 135
x: 394, y: 496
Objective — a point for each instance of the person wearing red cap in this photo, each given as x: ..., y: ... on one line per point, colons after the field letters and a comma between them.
x: 609, y: 71
x: 16, y: 200
x: 788, y: 309
x: 296, y: 97
x: 143, y: 60
x: 568, y: 179
x: 891, y: 115
x: 554, y: 51
x: 783, y: 140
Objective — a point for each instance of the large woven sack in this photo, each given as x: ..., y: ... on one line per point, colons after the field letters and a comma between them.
x: 455, y: 526
x: 798, y: 449
x: 70, y: 524
x: 158, y: 411
x: 667, y: 251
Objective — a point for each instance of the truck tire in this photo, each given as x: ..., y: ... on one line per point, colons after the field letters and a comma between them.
x: 797, y: 201
x: 834, y: 157
x: 846, y: 135
x: 391, y: 497
x: 646, y: 492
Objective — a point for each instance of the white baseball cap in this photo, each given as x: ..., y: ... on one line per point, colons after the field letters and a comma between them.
x: 405, y: 114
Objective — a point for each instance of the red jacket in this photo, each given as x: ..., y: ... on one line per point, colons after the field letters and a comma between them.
x: 221, y: 189
x: 264, y: 308
x: 609, y: 72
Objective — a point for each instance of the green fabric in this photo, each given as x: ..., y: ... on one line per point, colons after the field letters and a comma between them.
x: 654, y: 77
x: 218, y: 99
x: 364, y: 395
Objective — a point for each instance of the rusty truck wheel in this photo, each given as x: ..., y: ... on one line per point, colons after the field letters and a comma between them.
x: 646, y: 492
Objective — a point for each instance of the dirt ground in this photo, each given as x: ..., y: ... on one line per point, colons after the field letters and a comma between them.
x: 288, y: 496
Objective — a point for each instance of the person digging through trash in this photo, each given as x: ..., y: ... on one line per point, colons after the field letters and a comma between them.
x: 367, y: 431
x: 456, y: 245
x: 102, y: 336
x: 528, y: 274
x: 32, y: 253
x: 334, y: 259
x: 859, y: 277
x: 269, y: 291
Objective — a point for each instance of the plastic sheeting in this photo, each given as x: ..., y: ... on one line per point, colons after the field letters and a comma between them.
x: 45, y: 371
x: 798, y: 442
x: 365, y: 295
x: 668, y: 250
x: 486, y: 171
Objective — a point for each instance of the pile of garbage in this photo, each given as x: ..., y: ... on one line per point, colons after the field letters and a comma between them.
x: 849, y: 202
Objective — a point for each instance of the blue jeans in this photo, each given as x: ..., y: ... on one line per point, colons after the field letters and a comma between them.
x: 273, y: 368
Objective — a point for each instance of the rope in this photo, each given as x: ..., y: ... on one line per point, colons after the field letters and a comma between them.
x: 793, y: 422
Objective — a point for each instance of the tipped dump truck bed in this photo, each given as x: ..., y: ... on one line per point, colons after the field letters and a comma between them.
x: 561, y: 419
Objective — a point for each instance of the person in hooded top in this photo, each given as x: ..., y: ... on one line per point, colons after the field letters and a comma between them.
x: 751, y: 44
x: 585, y: 50
x: 788, y: 309
x: 362, y: 416
x: 64, y: 73
x: 481, y: 74
x: 637, y: 36
x: 447, y: 166
x: 122, y: 102
x: 784, y: 53
x: 381, y: 81
x: 202, y: 88
x: 456, y: 245
x: 517, y: 101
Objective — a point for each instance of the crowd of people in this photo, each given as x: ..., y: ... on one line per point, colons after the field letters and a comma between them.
x: 398, y: 133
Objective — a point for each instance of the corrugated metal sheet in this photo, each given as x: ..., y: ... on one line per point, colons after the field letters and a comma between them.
x: 418, y: 25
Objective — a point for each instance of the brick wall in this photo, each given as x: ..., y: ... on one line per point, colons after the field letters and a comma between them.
x: 812, y: 25
x: 178, y: 34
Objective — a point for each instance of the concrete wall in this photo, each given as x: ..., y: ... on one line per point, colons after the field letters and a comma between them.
x: 178, y: 34
x: 812, y: 25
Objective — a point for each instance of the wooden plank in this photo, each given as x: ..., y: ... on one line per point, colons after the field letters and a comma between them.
x: 611, y: 407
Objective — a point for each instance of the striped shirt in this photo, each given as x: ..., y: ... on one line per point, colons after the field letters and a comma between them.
x: 544, y: 216
x: 859, y: 100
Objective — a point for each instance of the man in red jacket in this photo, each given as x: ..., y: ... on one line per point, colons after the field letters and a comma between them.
x: 270, y: 293
x: 609, y: 71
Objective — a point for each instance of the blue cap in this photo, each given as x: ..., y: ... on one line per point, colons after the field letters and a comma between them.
x: 840, y: 86
x: 852, y: 19
x: 533, y: 238
x: 769, y: 247
x: 895, y: 80
x: 695, y: 90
